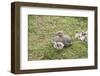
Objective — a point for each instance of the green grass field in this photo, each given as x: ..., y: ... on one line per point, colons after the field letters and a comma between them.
x: 41, y: 30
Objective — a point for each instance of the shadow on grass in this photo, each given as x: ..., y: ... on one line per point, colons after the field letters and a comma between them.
x: 55, y: 54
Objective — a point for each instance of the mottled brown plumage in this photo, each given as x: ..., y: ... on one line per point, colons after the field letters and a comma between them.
x: 61, y: 37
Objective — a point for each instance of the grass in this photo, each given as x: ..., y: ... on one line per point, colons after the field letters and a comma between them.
x: 41, y: 30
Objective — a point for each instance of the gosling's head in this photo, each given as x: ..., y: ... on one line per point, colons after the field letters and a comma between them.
x: 60, y: 33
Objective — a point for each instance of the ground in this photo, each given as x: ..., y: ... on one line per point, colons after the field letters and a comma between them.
x: 41, y: 30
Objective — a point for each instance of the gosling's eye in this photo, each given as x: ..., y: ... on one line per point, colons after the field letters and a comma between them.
x: 57, y: 45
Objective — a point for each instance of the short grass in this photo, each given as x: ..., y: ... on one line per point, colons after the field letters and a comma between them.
x: 41, y: 30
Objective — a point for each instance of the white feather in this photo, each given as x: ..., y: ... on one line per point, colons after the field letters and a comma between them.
x: 58, y: 45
